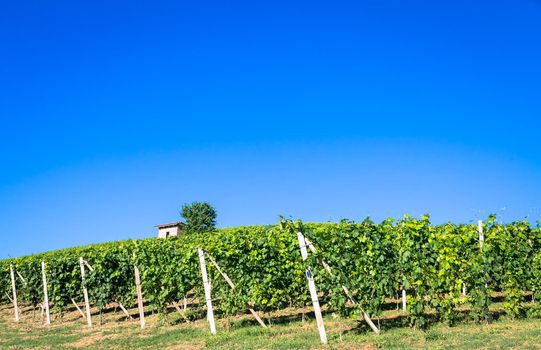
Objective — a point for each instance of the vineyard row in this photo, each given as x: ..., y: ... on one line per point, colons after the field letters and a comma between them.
x: 266, y: 268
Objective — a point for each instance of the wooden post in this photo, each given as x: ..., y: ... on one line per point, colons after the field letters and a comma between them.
x: 45, y: 294
x: 206, y: 285
x: 344, y: 288
x: 313, y: 291
x: 185, y: 303
x: 404, y: 299
x: 7, y: 295
x: 481, y: 239
x: 139, y: 297
x: 178, y: 308
x: 85, y: 293
x: 302, y: 245
x: 232, y: 285
x: 124, y: 309
x: 317, y: 309
x: 481, y: 233
x: 78, y: 308
x: 22, y: 278
x: 14, y: 290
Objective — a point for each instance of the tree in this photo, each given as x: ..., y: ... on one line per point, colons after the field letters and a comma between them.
x: 199, y: 217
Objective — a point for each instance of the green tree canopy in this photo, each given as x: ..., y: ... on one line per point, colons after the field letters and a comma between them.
x: 199, y: 217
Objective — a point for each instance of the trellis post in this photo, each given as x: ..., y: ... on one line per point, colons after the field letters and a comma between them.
x: 77, y: 307
x: 45, y: 294
x: 14, y: 290
x: 481, y: 239
x: 481, y: 233
x: 10, y: 299
x: 22, y: 278
x: 139, y: 297
x: 85, y: 293
x: 232, y: 285
x: 206, y: 285
x: 327, y: 268
x: 124, y: 309
x: 313, y: 291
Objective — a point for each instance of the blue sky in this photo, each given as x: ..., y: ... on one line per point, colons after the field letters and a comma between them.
x: 113, y: 114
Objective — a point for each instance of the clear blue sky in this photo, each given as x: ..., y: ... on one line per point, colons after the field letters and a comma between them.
x: 113, y: 114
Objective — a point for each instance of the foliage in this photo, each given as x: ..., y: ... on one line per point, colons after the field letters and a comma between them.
x: 200, y: 217
x: 374, y: 261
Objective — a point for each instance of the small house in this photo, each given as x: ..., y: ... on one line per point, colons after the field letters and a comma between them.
x: 169, y: 230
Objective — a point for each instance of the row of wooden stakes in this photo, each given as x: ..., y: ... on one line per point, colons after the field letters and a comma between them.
x: 85, y: 265
x: 45, y: 306
x: 304, y: 243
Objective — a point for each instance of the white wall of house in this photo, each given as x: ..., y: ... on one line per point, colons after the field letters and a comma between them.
x: 168, y: 232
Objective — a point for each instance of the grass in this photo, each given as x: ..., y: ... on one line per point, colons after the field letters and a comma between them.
x: 287, y: 332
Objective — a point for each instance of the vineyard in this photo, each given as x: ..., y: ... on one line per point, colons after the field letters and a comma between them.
x: 448, y: 272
